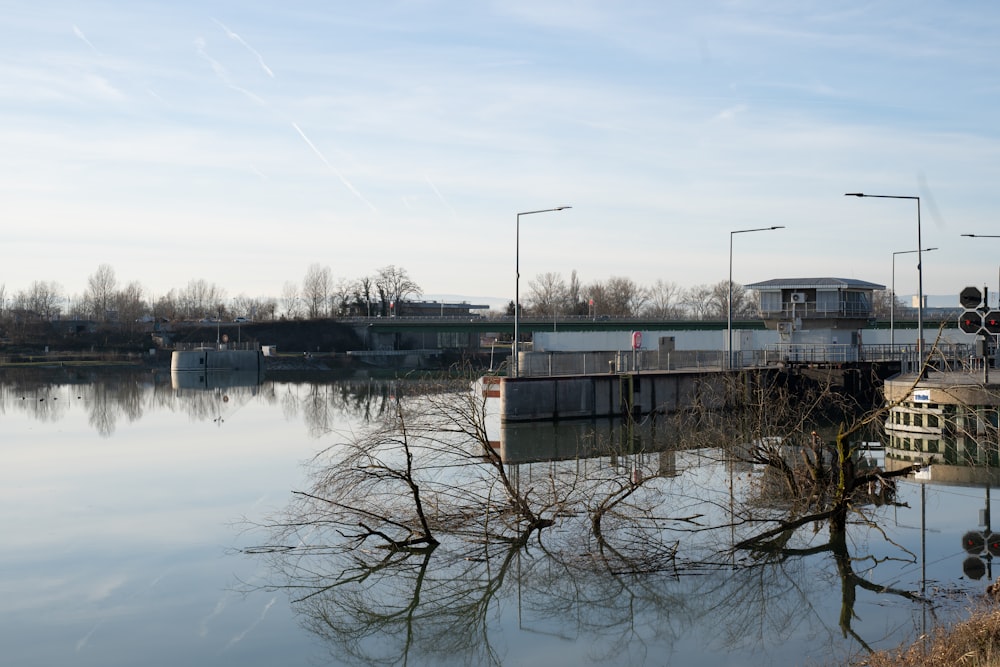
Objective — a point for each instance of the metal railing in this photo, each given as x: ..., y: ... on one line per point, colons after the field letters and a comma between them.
x: 542, y: 364
x: 229, y: 345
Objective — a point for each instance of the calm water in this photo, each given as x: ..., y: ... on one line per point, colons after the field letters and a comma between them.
x: 126, y: 501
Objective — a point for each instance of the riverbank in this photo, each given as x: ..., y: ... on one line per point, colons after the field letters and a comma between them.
x: 974, y: 642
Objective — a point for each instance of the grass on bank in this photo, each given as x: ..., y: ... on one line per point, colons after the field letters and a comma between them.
x: 974, y: 642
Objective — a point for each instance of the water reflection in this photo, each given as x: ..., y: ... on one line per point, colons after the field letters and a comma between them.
x: 456, y: 606
x: 638, y: 562
x: 658, y: 583
x: 227, y: 379
x: 110, y: 397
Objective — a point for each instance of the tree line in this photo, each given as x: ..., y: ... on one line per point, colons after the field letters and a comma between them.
x: 550, y: 295
x: 107, y: 299
x: 319, y: 294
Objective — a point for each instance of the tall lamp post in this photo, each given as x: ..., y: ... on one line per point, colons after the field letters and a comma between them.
x: 920, y: 268
x: 517, y: 277
x: 729, y: 302
x: 988, y: 236
x: 892, y: 302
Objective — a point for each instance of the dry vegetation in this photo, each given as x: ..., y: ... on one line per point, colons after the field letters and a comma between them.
x: 971, y: 643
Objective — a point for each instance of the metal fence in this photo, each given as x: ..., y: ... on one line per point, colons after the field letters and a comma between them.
x: 942, y: 357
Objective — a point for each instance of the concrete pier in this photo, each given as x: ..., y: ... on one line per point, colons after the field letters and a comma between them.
x: 212, y: 359
x: 609, y: 394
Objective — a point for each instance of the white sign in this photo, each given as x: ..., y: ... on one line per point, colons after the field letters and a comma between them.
x: 921, y: 395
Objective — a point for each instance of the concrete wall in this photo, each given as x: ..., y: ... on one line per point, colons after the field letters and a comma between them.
x: 215, y: 360
x: 574, y: 397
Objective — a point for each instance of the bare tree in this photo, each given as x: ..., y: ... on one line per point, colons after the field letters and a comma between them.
x: 618, y: 297
x: 41, y: 298
x: 718, y: 300
x: 884, y: 304
x: 100, y: 294
x: 547, y: 295
x: 663, y: 300
x: 340, y: 297
x: 597, y: 298
x: 130, y: 304
x: 168, y: 306
x: 201, y: 299
x: 697, y: 301
x: 291, y: 304
x: 575, y: 304
x: 316, y: 287
x: 364, y: 292
x: 394, y: 286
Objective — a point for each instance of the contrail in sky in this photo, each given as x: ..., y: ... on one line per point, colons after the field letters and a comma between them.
x: 83, y: 38
x: 234, y: 36
x: 441, y: 197
x: 322, y: 157
x: 222, y: 73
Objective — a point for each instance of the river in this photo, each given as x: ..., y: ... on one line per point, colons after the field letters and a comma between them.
x: 134, y: 512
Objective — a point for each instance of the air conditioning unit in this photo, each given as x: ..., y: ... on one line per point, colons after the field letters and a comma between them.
x: 798, y: 297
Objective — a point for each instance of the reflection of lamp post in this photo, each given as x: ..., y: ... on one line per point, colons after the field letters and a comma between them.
x: 920, y: 269
x: 988, y: 236
x: 892, y: 302
x: 517, y: 275
x: 729, y: 301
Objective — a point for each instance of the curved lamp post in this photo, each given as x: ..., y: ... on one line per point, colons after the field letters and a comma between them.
x: 517, y: 277
x: 729, y: 302
x: 892, y: 301
x: 920, y: 268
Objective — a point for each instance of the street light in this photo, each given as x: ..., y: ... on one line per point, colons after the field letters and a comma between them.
x: 920, y: 268
x: 892, y: 301
x: 988, y: 236
x: 729, y: 303
x: 517, y: 274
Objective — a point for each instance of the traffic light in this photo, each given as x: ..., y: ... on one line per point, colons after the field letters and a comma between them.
x: 970, y: 297
x: 971, y: 321
x: 991, y: 322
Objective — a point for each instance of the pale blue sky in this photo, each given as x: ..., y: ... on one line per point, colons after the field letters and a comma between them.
x: 239, y: 142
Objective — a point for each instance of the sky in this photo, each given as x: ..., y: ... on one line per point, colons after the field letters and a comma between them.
x: 238, y: 142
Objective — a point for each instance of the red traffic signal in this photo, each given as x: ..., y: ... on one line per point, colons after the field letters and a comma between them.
x: 971, y: 321
x: 991, y: 322
x: 970, y: 297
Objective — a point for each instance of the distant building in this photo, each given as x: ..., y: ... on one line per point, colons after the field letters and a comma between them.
x: 437, y: 309
x: 797, y: 304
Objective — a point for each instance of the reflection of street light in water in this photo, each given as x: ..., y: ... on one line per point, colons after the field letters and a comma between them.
x: 981, y: 546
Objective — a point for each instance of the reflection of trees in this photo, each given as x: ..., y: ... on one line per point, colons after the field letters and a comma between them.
x: 430, y: 608
x: 323, y: 404
x: 410, y: 529
x: 443, y: 606
x: 109, y: 396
